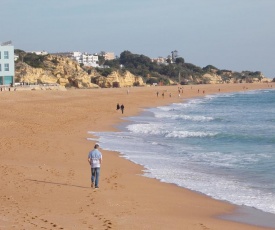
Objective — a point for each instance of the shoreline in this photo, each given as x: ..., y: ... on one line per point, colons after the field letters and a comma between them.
x: 46, y: 175
x: 252, y: 216
x: 240, y: 214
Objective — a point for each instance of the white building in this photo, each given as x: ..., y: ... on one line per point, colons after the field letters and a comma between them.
x: 159, y: 60
x: 6, y: 64
x: 82, y: 58
x: 43, y: 53
x: 87, y: 59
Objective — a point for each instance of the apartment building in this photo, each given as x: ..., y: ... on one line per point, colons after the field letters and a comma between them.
x: 88, y: 59
x: 82, y: 58
x: 108, y: 55
x: 6, y: 64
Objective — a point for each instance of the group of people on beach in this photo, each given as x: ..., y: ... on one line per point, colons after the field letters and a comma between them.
x: 180, y: 91
x: 120, y: 107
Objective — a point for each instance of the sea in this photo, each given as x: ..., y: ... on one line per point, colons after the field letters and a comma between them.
x: 221, y: 145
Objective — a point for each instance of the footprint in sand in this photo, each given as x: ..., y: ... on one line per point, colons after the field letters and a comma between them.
x: 204, y: 227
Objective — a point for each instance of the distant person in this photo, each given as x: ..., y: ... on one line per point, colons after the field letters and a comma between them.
x: 163, y: 95
x: 117, y: 106
x: 122, y: 108
x: 157, y: 93
x: 95, y: 160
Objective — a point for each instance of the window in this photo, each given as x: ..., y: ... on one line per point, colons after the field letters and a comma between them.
x: 0, y: 54
x: 0, y: 68
x: 7, y: 67
x: 6, y: 54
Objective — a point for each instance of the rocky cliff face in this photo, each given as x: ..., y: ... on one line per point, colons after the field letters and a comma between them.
x: 67, y: 72
x: 116, y: 79
x: 63, y: 71
x: 233, y: 77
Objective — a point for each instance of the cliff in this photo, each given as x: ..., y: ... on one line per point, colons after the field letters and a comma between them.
x: 68, y: 73
x: 118, y: 79
x: 52, y: 69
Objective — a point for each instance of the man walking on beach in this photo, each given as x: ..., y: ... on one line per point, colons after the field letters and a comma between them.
x: 95, y: 160
x: 122, y: 108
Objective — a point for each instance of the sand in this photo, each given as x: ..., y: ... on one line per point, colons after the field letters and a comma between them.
x: 45, y: 176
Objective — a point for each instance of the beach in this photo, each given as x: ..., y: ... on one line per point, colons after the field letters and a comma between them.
x: 45, y: 175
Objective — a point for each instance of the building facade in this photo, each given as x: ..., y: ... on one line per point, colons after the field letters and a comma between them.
x: 87, y: 59
x: 6, y: 65
x: 82, y: 58
x: 109, y: 56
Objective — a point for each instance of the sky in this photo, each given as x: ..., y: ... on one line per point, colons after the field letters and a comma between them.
x: 236, y: 35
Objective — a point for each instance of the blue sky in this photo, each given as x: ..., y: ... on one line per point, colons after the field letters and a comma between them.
x: 235, y: 35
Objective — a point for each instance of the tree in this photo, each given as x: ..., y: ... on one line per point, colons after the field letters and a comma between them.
x: 101, y: 60
x: 113, y: 63
x: 179, y: 60
x: 36, y: 61
x: 209, y: 68
x: 152, y: 80
x: 105, y: 71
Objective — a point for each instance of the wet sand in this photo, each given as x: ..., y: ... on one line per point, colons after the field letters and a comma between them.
x: 45, y: 176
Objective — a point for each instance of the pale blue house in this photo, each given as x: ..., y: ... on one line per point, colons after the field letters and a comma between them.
x: 6, y: 64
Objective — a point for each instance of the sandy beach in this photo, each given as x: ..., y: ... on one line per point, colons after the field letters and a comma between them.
x: 45, y: 176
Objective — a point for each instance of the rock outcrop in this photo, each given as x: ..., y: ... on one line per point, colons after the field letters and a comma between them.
x: 66, y: 72
x: 212, y: 78
x: 61, y: 70
x: 117, y: 79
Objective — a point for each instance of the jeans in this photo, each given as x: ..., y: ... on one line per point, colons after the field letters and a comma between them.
x: 95, y: 175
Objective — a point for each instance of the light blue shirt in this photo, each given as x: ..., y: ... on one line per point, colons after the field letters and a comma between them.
x: 95, y: 156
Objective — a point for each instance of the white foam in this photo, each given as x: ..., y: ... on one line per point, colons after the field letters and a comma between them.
x: 183, y: 117
x: 184, y: 134
x: 152, y: 128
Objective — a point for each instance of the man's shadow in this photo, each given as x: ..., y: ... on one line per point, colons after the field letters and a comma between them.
x: 55, y: 183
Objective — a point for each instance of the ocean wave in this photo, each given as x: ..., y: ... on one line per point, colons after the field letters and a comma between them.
x: 184, y: 117
x: 160, y: 129
x: 151, y: 128
x: 185, y: 134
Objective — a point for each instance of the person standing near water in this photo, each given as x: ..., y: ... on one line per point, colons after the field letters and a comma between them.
x: 95, y: 160
x: 117, y: 106
x: 122, y: 108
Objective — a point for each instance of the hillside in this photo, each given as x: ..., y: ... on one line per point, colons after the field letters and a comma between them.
x: 127, y: 70
x: 49, y: 69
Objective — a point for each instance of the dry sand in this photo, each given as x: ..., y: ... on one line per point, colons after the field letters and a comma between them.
x: 45, y: 176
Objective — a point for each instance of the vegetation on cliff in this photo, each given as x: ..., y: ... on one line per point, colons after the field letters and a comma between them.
x: 176, y: 70
x: 172, y: 71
